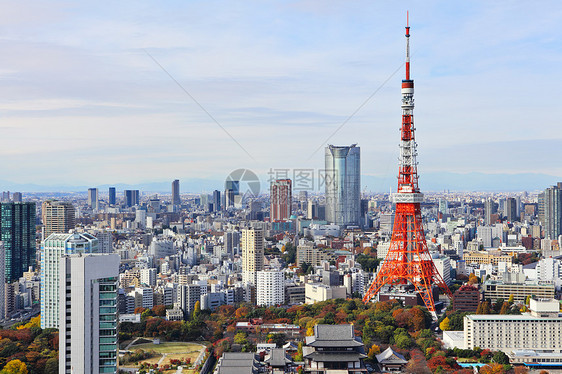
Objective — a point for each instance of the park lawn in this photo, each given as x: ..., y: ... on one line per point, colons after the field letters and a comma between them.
x: 467, y: 360
x: 170, y: 347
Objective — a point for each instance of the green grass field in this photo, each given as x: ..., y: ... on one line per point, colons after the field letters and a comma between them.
x: 170, y: 347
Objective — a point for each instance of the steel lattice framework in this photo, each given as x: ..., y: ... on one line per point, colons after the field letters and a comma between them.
x: 408, y: 259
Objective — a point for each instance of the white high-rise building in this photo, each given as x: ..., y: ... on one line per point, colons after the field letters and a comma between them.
x: 148, y: 277
x: 270, y: 288
x: 88, y: 313
x: 140, y: 217
x: 549, y: 270
x: 52, y: 249
x: 443, y: 265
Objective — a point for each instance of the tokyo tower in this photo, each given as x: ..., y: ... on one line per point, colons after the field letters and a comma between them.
x: 408, y: 259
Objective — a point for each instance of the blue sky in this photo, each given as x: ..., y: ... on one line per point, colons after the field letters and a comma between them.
x: 81, y: 102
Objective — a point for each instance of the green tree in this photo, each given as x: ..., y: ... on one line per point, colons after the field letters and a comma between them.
x: 500, y: 358
x: 52, y: 366
x: 403, y: 341
x: 368, y: 263
x: 306, y: 268
x: 298, y: 356
x: 14, y: 367
x: 456, y: 321
x: 289, y: 253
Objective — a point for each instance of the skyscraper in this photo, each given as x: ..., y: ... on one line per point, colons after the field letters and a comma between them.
x: 88, y: 313
x: 2, y: 281
x: 52, y: 249
x: 231, y: 191
x: 343, y: 185
x: 217, y: 201
x: 550, y: 211
x: 176, y: 192
x: 112, y: 196
x: 231, y: 241
x: 490, y: 207
x: 281, y: 200
x: 17, y: 231
x: 252, y: 245
x: 511, y: 209
x: 58, y: 216
x: 131, y: 198
x: 93, y: 198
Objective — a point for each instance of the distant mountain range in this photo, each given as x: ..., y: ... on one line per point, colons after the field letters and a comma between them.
x: 437, y: 181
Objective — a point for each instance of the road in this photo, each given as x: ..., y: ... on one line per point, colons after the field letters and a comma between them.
x: 26, y: 316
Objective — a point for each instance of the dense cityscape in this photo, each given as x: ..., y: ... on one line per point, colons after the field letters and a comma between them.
x: 303, y: 271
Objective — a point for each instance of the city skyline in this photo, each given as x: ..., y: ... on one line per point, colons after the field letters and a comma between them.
x: 266, y: 73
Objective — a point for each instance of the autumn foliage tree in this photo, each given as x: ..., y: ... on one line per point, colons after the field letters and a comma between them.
x: 14, y: 367
x: 373, y: 351
x: 159, y: 310
x: 493, y: 368
x: 444, y: 325
x: 417, y: 363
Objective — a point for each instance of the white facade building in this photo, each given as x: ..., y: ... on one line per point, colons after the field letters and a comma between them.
x: 52, y: 249
x: 443, y: 265
x: 161, y: 248
x: 88, y: 313
x: 549, y: 270
x: 540, y: 330
x: 270, y: 288
x: 148, y: 277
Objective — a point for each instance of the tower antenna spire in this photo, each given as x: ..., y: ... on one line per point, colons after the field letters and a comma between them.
x: 407, y: 45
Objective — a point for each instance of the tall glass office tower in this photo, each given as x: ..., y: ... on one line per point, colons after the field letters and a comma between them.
x: 17, y: 231
x: 550, y: 211
x: 342, y: 180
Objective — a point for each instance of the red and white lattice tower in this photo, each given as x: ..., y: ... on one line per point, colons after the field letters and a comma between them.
x: 408, y: 259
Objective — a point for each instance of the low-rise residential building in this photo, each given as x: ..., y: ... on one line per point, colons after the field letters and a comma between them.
x: 316, y: 292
